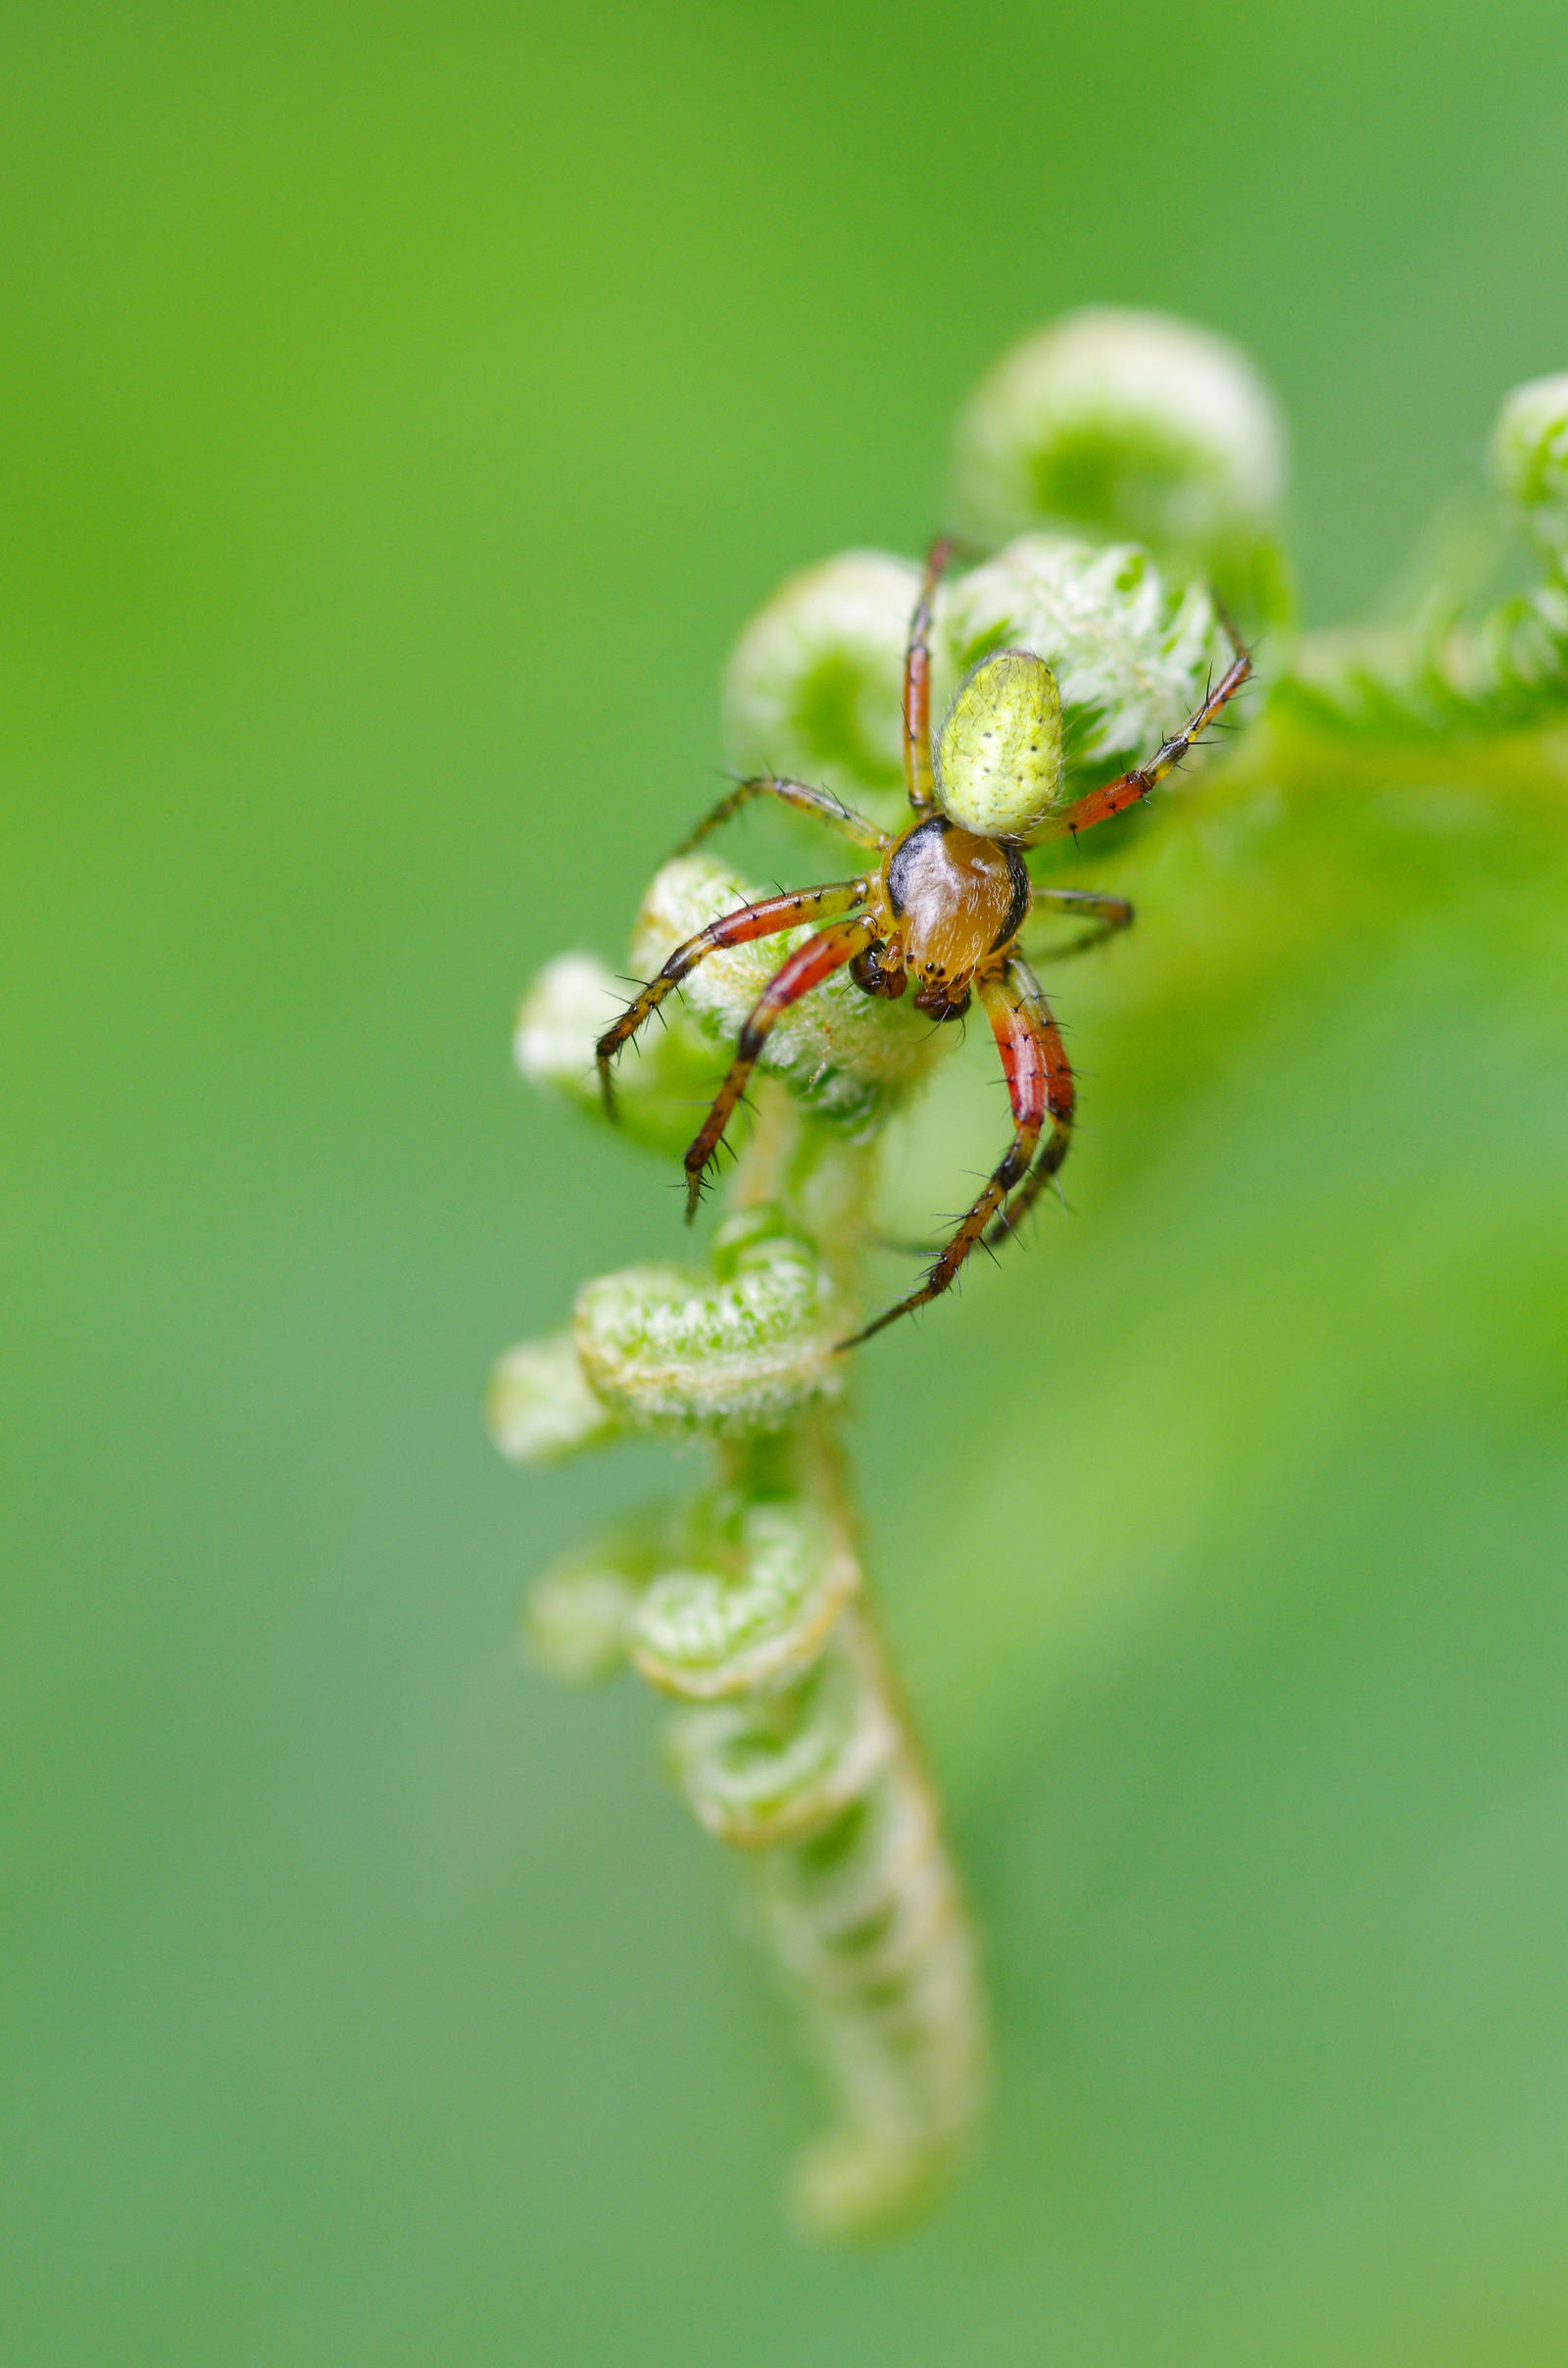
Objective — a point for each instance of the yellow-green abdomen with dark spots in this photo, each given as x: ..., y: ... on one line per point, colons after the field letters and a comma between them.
x: 999, y: 757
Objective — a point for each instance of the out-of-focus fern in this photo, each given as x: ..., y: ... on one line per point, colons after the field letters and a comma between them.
x: 1122, y: 475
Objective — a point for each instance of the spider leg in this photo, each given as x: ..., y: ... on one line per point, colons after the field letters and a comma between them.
x: 807, y: 968
x: 822, y: 803
x: 1127, y: 788
x: 917, y: 772
x: 1106, y: 914
x: 766, y: 919
x: 1021, y: 1023
x: 1060, y: 1097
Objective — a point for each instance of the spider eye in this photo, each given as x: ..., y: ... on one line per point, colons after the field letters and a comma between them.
x: 999, y: 753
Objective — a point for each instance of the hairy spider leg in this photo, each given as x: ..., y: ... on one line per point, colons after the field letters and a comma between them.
x: 1116, y: 796
x: 1031, y: 1050
x: 1060, y: 1099
x: 807, y: 968
x: 917, y: 773
x: 822, y: 803
x: 766, y: 919
x: 1105, y: 914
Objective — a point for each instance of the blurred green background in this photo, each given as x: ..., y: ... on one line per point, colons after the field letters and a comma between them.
x: 402, y: 409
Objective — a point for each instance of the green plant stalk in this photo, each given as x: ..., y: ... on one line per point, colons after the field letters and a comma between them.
x: 792, y: 1744
x: 861, y: 1904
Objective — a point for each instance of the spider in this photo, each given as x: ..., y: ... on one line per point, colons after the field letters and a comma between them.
x: 942, y: 909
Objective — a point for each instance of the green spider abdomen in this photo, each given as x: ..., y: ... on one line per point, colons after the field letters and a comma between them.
x: 999, y: 757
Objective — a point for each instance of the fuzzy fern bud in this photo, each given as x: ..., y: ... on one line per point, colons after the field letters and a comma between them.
x: 1130, y: 426
x: 779, y: 1572
x: 1508, y: 667
x: 540, y: 1408
x: 742, y: 1349
x: 1128, y: 655
x: 577, y: 1620
x: 779, y: 1765
x: 812, y: 685
x: 1529, y: 460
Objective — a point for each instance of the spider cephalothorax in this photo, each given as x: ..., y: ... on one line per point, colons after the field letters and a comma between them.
x: 942, y: 909
x: 946, y: 899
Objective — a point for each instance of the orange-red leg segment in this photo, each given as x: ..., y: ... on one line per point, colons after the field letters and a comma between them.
x: 1126, y: 790
x: 807, y: 968
x: 1013, y: 1005
x: 918, y: 687
x: 1061, y: 1099
x: 763, y: 920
